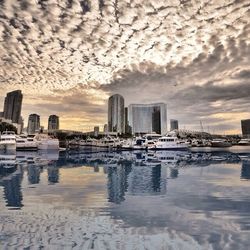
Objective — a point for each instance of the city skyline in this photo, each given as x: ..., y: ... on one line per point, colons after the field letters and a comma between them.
x: 68, y: 58
x: 168, y: 121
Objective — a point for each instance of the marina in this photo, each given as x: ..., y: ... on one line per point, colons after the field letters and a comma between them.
x: 11, y: 142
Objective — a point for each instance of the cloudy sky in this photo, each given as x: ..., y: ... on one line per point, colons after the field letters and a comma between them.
x: 68, y: 56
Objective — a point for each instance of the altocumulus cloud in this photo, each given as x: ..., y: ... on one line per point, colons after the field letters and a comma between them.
x: 68, y: 56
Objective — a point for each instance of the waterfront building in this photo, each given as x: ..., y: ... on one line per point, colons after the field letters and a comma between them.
x: 148, y: 118
x: 128, y: 129
x: 245, y: 126
x: 33, y: 124
x: 96, y: 131
x: 105, y: 128
x: 116, y: 114
x: 174, y: 125
x: 21, y: 123
x: 13, y: 106
x: 53, y: 122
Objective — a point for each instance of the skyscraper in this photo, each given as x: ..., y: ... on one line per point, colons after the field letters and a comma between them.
x: 245, y: 126
x: 53, y: 122
x: 174, y: 125
x: 116, y: 114
x: 33, y: 124
x: 13, y: 106
x: 148, y: 118
x: 96, y: 131
x: 127, y: 127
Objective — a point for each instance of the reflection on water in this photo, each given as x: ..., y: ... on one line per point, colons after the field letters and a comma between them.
x: 182, y: 194
x: 245, y: 170
x: 12, y: 189
x: 53, y: 174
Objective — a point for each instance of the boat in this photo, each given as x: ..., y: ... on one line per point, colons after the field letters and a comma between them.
x: 45, y: 142
x: 8, y: 141
x: 200, y: 143
x: 108, y: 142
x: 139, y: 143
x: 89, y: 142
x: 151, y: 139
x: 150, y: 144
x: 220, y: 143
x: 127, y: 144
x: 26, y: 143
x: 171, y: 143
x: 244, y: 142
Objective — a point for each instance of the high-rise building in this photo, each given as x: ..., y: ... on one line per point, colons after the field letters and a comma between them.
x: 53, y: 122
x: 174, y: 125
x: 96, y: 131
x: 127, y: 127
x: 105, y: 128
x: 13, y: 106
x: 21, y: 123
x: 33, y: 124
x: 245, y: 126
x: 148, y: 118
x: 116, y: 114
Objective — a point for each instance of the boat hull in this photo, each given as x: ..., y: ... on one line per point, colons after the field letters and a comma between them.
x: 171, y: 149
x: 221, y: 145
x: 25, y: 148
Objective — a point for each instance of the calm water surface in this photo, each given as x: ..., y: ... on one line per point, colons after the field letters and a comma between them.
x: 128, y: 200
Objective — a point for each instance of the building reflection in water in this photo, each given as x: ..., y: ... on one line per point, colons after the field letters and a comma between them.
x: 53, y: 174
x: 174, y: 172
x: 245, y: 170
x: 33, y: 174
x: 117, y: 182
x: 12, y: 189
x: 127, y: 173
x: 147, y: 180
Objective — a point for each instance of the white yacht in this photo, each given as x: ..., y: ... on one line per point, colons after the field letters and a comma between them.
x: 151, y: 139
x: 45, y: 142
x: 171, y: 143
x: 8, y: 141
x: 244, y: 142
x: 108, y: 142
x: 89, y: 142
x: 24, y: 142
x: 140, y: 143
x: 127, y: 144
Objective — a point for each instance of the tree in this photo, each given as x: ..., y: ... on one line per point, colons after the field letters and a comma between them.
x: 6, y: 126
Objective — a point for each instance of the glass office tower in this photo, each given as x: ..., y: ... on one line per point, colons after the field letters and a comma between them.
x: 116, y: 114
x: 148, y: 118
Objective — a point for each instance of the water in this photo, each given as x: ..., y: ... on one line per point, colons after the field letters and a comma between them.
x: 128, y: 200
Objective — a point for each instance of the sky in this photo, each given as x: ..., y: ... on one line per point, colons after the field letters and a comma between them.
x: 69, y: 56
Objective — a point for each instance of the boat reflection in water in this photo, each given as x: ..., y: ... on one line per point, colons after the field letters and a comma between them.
x: 122, y: 197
